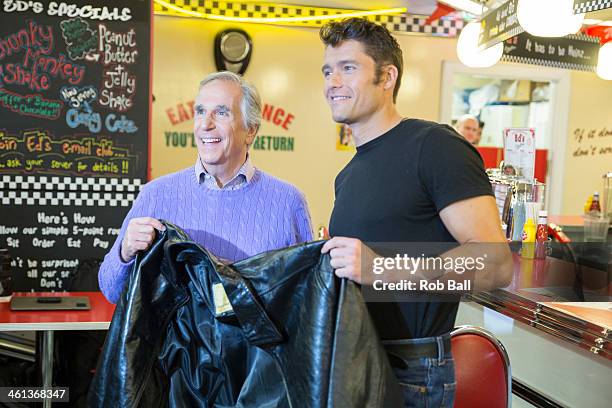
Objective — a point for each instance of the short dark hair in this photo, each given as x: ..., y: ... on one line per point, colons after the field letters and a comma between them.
x: 377, y: 42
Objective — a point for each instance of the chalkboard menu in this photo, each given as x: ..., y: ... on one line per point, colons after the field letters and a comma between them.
x: 74, y: 130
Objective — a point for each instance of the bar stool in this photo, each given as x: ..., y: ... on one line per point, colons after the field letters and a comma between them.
x: 482, y: 369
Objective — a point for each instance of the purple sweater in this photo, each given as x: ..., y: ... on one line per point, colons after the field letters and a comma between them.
x: 265, y: 214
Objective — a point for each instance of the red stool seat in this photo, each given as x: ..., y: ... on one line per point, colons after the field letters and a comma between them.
x: 482, y: 369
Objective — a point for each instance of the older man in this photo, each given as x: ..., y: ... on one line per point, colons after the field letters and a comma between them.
x: 223, y: 202
x: 469, y: 127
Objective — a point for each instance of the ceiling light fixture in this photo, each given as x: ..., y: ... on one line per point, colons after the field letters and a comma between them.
x: 470, y: 54
x: 548, y: 18
x: 472, y: 7
x: 397, y: 10
x: 604, y: 61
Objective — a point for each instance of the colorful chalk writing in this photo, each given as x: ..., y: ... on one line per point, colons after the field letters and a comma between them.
x: 30, y: 105
x: 119, y: 124
x: 93, y: 13
x: 118, y: 49
x: 38, y: 67
x: 77, y: 97
x: 11, y: 6
x: 62, y: 9
x: 92, y: 120
x: 34, y: 36
x: 45, y: 63
x: 119, y: 77
x: 74, y: 131
x: 36, y: 150
x: 87, y: 117
x: 80, y: 38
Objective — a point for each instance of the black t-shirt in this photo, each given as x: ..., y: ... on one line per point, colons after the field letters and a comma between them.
x: 393, y: 191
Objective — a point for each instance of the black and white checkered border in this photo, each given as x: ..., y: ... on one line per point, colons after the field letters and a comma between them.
x: 66, y: 198
x: 582, y: 37
x: 581, y: 7
x: 57, y: 183
x: 547, y: 63
x: 446, y: 27
x: 247, y: 10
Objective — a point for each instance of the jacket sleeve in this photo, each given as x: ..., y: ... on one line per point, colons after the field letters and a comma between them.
x: 113, y: 271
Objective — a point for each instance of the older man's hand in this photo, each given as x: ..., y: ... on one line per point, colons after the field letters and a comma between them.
x: 139, y: 236
x: 348, y: 258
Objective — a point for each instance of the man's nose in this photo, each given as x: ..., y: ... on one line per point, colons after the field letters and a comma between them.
x: 207, y: 122
x: 334, y: 80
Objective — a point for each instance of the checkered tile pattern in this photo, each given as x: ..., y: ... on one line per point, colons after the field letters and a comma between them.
x: 547, y: 63
x: 582, y: 37
x: 245, y: 9
x: 581, y: 7
x: 65, y: 191
x: 446, y: 27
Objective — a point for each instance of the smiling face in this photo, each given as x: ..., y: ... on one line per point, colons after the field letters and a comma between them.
x: 221, y: 137
x: 351, y: 87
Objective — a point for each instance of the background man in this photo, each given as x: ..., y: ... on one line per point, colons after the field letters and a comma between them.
x: 469, y: 127
x: 410, y: 181
x: 223, y: 202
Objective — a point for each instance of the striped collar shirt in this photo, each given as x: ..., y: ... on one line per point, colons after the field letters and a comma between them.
x: 241, y: 179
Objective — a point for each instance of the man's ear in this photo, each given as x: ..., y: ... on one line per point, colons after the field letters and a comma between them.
x: 389, y: 77
x: 251, y: 133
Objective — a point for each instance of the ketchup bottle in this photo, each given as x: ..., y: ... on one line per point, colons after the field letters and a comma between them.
x: 541, y: 235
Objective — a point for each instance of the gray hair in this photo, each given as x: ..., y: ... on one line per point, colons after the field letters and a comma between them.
x: 464, y: 119
x: 250, y: 104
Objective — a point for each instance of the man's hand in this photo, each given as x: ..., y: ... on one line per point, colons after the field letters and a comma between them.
x: 139, y: 235
x: 348, y: 255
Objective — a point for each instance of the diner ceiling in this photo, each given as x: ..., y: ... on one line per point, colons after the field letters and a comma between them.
x: 425, y: 7
x: 414, y: 6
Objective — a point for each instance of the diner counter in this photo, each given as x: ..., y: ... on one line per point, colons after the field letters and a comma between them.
x: 573, y: 226
x: 569, y: 300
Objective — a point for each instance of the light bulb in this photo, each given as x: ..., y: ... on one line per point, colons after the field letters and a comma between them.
x: 548, y: 18
x: 469, y: 53
x: 604, y: 61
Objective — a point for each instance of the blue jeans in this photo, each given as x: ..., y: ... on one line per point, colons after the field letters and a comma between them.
x: 425, y: 381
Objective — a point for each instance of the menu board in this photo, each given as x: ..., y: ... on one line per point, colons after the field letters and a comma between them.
x: 519, y: 150
x: 74, y: 128
x: 50, y: 244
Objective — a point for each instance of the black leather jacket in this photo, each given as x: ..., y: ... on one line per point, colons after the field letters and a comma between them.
x: 297, y: 335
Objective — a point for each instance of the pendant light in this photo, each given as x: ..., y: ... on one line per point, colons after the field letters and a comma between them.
x: 469, y: 53
x: 604, y: 61
x: 548, y: 18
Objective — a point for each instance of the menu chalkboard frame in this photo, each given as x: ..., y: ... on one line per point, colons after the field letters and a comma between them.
x: 96, y: 160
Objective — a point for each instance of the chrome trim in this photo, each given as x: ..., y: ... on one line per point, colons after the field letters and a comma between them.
x: 573, y: 329
x: 20, y: 356
x: 469, y: 329
x: 17, y: 347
